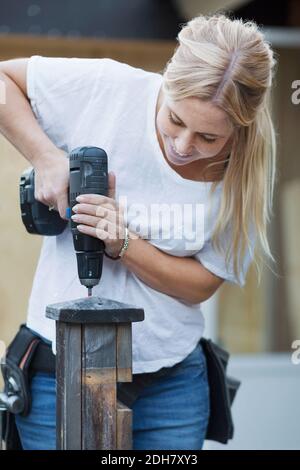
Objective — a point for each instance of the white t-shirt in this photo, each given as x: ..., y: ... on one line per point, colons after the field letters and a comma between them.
x: 108, y: 104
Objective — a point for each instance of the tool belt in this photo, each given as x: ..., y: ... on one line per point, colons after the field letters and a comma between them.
x: 28, y: 354
x: 25, y: 355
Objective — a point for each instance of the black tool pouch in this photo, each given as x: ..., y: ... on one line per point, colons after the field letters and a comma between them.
x: 16, y: 375
x: 223, y: 390
x: 15, y: 371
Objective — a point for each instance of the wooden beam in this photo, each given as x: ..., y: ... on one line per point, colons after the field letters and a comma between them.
x: 151, y: 55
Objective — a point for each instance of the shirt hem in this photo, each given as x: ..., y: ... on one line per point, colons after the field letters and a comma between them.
x: 138, y: 367
x: 154, y: 366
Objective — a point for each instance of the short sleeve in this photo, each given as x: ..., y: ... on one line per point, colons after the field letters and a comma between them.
x: 215, y: 261
x: 59, y: 89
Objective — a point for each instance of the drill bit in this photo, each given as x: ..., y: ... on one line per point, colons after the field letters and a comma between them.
x: 90, y: 291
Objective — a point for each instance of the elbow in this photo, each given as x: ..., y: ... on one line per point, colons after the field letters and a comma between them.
x: 196, y: 298
x: 204, y: 294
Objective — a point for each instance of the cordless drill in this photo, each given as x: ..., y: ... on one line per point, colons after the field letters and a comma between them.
x: 88, y: 175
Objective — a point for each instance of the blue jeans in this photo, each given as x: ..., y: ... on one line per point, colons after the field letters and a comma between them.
x: 171, y: 413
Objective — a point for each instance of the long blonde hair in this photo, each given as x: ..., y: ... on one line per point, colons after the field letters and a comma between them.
x: 229, y: 63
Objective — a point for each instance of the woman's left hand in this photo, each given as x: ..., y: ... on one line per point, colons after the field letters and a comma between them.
x: 101, y: 217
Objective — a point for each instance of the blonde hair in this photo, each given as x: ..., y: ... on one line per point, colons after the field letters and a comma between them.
x: 229, y: 63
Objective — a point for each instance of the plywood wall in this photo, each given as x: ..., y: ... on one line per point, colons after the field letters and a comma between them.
x: 150, y: 55
x: 18, y: 250
x: 262, y: 318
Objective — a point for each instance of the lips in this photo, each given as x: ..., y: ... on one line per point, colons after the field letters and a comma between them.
x: 176, y: 155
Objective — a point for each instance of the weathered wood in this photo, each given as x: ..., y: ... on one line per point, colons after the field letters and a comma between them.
x: 68, y: 386
x: 124, y: 427
x: 94, y: 310
x: 94, y: 352
x: 124, y: 353
x: 99, y: 384
x: 60, y: 385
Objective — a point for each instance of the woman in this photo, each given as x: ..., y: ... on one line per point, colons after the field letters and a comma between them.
x: 199, y: 136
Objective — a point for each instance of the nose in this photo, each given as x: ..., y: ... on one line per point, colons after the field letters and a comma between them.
x: 184, y: 144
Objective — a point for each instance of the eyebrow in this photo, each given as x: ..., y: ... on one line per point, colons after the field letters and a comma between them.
x: 202, y: 133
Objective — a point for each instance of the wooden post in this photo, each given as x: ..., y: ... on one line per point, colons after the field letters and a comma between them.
x: 93, y: 353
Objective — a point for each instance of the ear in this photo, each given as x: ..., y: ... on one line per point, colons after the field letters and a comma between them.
x: 111, y: 185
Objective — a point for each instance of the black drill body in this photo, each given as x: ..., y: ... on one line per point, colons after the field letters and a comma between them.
x: 88, y: 175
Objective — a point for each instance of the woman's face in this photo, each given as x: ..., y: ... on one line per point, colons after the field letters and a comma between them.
x: 191, y: 129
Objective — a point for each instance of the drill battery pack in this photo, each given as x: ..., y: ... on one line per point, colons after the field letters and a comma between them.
x: 36, y: 216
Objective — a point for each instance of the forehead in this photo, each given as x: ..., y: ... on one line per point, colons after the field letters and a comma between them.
x: 201, y: 116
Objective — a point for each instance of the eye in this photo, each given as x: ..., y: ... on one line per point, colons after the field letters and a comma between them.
x: 172, y: 120
x: 209, y: 141
x: 177, y: 123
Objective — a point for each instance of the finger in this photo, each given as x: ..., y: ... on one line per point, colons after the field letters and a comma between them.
x: 93, y: 231
x: 113, y: 231
x: 86, y: 219
x: 92, y: 221
x: 62, y: 205
x: 104, y: 207
x: 104, y: 231
x: 111, y: 185
x: 96, y: 199
x: 104, y: 211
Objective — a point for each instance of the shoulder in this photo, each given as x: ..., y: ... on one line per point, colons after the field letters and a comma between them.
x: 123, y: 70
x: 72, y: 69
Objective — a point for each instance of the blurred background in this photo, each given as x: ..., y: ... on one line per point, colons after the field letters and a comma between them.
x: 257, y: 323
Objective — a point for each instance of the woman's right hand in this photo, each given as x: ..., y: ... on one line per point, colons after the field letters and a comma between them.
x: 51, y: 183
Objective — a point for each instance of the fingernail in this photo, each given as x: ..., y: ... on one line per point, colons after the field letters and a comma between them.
x: 75, y: 208
x: 80, y: 198
x: 74, y: 217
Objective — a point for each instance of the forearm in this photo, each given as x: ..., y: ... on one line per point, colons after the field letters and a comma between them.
x: 19, y: 125
x: 179, y: 277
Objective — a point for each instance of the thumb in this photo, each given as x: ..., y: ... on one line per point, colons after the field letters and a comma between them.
x: 62, y: 205
x: 111, y: 185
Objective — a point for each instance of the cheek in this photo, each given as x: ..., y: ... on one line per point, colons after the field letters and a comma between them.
x: 216, y: 148
x: 164, y: 125
x: 207, y: 150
